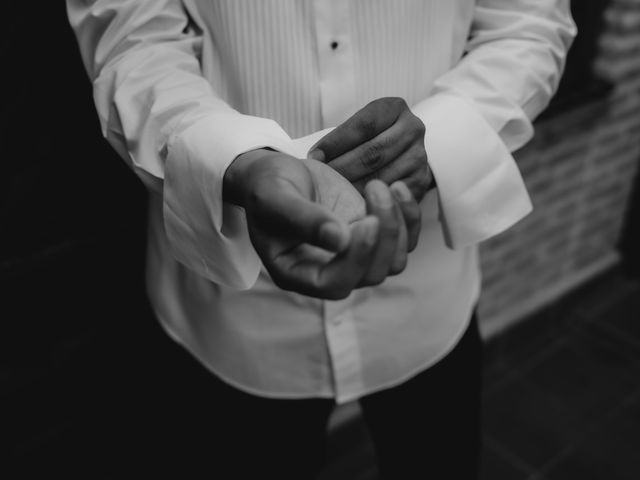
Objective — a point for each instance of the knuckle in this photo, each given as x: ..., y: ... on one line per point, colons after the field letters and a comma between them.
x: 367, y: 126
x: 373, y: 156
x: 398, y: 103
x: 388, y: 141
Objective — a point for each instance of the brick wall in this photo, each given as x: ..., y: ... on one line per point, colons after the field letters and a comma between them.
x: 579, y: 170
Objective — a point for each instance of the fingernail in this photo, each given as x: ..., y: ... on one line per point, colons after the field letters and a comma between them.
x: 331, y: 236
x: 380, y: 194
x: 316, y: 154
x: 401, y: 191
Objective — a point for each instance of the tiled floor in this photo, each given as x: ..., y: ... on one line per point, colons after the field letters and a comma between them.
x: 561, y: 395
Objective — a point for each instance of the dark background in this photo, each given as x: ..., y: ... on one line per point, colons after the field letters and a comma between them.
x: 72, y: 222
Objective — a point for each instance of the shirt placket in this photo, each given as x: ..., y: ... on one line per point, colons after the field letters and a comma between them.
x: 336, y: 67
x: 337, y: 87
x: 344, y: 349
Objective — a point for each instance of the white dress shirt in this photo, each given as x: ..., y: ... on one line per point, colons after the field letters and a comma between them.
x: 183, y: 87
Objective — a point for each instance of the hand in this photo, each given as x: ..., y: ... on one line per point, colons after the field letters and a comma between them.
x: 309, y: 225
x: 334, y: 191
x: 384, y: 140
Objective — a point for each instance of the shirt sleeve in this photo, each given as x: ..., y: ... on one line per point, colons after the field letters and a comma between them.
x: 482, y: 109
x: 165, y: 119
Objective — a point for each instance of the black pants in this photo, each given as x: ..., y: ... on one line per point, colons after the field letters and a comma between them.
x: 177, y: 420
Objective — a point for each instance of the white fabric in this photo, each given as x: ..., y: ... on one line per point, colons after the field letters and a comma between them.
x: 183, y: 87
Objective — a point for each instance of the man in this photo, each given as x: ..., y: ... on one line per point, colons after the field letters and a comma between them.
x: 265, y: 263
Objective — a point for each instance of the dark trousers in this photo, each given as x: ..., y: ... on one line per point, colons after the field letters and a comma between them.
x: 179, y: 421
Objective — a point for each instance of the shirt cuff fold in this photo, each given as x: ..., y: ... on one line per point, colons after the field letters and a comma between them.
x: 481, y: 192
x: 206, y: 234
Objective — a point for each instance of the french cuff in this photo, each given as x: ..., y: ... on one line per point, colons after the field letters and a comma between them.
x: 481, y: 192
x: 206, y: 234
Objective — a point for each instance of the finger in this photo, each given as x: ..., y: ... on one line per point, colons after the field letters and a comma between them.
x: 419, y: 184
x: 400, y: 260
x: 346, y: 270
x: 364, y: 125
x: 282, y: 210
x: 379, y: 152
x: 411, y: 168
x: 315, y: 275
x: 411, y: 213
x: 411, y: 162
x: 380, y: 203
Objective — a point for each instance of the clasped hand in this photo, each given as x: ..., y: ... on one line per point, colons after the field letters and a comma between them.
x: 323, y: 228
x: 385, y: 141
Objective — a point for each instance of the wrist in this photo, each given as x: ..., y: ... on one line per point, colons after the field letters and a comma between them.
x: 234, y: 182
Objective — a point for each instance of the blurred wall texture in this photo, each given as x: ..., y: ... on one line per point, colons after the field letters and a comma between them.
x: 579, y: 170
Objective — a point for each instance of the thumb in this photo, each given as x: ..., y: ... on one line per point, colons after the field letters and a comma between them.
x: 287, y: 213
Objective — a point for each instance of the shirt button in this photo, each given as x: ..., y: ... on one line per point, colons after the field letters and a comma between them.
x: 334, y: 45
x: 337, y: 320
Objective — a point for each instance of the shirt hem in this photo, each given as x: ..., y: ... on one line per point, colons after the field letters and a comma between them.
x: 252, y: 391
x: 340, y: 400
x: 414, y: 372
